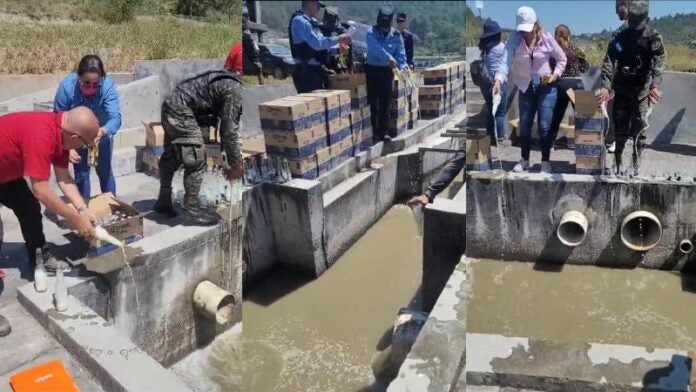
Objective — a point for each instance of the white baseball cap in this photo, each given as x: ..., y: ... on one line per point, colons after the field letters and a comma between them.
x: 526, y: 18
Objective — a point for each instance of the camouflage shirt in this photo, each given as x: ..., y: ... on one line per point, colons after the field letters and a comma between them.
x: 211, y: 97
x: 250, y: 50
x: 634, y: 59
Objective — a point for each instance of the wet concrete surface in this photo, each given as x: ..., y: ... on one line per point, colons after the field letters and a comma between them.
x: 321, y: 335
x: 583, y: 304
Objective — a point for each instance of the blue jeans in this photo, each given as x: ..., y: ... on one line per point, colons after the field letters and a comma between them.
x: 106, y: 175
x: 500, y: 121
x: 562, y: 102
x: 539, y: 99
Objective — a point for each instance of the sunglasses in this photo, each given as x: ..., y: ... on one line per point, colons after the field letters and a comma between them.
x: 84, y: 145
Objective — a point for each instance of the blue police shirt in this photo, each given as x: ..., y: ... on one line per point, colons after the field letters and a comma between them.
x: 303, y: 31
x: 381, y: 48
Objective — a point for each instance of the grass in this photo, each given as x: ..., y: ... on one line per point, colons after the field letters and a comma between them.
x: 54, y: 46
x: 254, y: 80
x: 679, y: 57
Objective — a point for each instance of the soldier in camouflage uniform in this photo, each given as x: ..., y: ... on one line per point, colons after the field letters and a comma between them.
x: 633, y: 68
x: 249, y: 47
x: 201, y: 101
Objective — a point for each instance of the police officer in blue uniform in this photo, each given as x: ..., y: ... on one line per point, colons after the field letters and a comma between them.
x: 308, y: 47
x: 385, y: 51
x: 401, y: 25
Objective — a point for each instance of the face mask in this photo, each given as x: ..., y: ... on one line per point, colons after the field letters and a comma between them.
x: 88, y: 91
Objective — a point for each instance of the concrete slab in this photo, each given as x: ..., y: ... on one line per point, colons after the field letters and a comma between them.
x: 546, y: 365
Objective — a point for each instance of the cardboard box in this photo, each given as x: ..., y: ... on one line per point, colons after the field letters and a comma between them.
x: 591, y: 150
x: 365, y: 112
x: 588, y: 165
x: 292, y: 144
x: 478, y: 149
x: 213, y: 155
x: 128, y: 230
x: 338, y: 129
x: 592, y: 138
x: 150, y: 163
x: 330, y: 100
x: 589, y: 124
x: 290, y: 114
x: 356, y: 121
x: 324, y: 162
x: 304, y: 168
x: 432, y: 105
x: 346, y: 81
x: 437, y: 75
x: 154, y: 138
x: 586, y: 105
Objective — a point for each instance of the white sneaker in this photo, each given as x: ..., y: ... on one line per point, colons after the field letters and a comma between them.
x: 522, y: 166
x: 612, y: 147
x: 545, y: 167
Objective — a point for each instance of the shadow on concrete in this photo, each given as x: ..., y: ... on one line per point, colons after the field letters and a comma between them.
x: 144, y: 206
x: 616, y: 252
x: 274, y: 286
x: 670, y: 129
x: 677, y: 375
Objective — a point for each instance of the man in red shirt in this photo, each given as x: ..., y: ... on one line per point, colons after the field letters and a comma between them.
x: 30, y: 143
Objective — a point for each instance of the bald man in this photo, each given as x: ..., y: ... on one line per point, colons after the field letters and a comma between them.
x: 32, y: 142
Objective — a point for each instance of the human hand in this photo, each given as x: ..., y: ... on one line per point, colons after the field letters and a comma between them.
x: 655, y: 95
x: 90, y: 215
x: 83, y: 226
x: 74, y: 157
x: 234, y: 172
x: 344, y: 39
x: 548, y: 79
x: 392, y: 63
x: 421, y: 200
x: 100, y: 135
x: 603, y: 96
x: 496, y: 88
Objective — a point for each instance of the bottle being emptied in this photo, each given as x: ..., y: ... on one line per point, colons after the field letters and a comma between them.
x: 61, y: 291
x: 104, y: 235
x: 40, y: 275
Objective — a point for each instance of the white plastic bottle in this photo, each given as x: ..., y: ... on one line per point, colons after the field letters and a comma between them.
x: 61, y: 292
x: 40, y: 276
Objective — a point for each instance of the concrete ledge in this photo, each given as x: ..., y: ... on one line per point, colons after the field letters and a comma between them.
x: 125, y: 161
x: 421, y: 132
x: 115, y: 361
x: 496, y: 360
x: 131, y: 137
x: 437, y: 356
x: 515, y: 216
x: 444, y: 243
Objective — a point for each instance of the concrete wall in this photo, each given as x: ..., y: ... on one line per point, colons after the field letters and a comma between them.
x: 172, y: 72
x: 514, y: 217
x: 14, y: 86
x: 252, y: 96
x: 159, y: 316
x: 673, y: 121
x: 140, y: 101
x: 260, y: 256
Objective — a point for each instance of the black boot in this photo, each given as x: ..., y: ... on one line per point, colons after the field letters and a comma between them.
x: 193, y: 215
x: 164, y: 205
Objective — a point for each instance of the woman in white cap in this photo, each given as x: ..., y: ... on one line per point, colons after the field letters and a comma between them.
x: 527, y: 54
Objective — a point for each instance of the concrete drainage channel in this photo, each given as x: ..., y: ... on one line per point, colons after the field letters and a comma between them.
x: 572, y: 317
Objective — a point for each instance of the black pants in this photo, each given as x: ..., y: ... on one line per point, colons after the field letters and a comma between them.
x: 17, y: 196
x: 562, y: 101
x: 308, y: 78
x: 380, y: 85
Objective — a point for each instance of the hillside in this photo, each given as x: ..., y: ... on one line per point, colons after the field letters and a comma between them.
x: 39, y: 36
x: 678, y: 31
x: 440, y: 24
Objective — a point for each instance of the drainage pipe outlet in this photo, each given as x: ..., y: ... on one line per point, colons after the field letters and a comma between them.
x: 641, y: 231
x: 686, y: 246
x: 214, y: 302
x: 572, y: 229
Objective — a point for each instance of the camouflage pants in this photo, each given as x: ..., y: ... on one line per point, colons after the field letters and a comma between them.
x: 183, y: 146
x: 630, y: 113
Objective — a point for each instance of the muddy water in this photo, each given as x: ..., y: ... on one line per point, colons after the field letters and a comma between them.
x: 321, y: 335
x: 583, y: 303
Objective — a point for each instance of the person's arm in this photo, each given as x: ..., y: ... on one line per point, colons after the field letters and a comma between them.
x: 507, y: 58
x: 559, y: 55
x: 63, y: 100
x: 607, y: 69
x: 409, y: 51
x: 67, y: 185
x: 375, y: 49
x: 446, y: 175
x: 401, y: 54
x: 303, y: 30
x: 229, y: 123
x: 111, y: 106
x: 80, y: 222
x: 658, y: 64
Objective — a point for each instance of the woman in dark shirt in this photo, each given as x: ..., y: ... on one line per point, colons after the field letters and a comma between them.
x: 576, y: 65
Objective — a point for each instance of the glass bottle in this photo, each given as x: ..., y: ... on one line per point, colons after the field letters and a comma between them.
x: 40, y: 275
x: 61, y: 291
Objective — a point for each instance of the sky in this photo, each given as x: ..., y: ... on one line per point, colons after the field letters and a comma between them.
x: 582, y: 16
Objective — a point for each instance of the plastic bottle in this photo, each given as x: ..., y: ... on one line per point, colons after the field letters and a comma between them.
x: 61, y: 292
x: 40, y: 276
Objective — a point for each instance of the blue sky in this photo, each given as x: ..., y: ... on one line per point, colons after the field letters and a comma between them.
x: 582, y: 16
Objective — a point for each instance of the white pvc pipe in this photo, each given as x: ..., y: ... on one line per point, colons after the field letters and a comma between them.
x: 641, y: 231
x: 214, y: 302
x: 572, y: 228
x: 686, y: 246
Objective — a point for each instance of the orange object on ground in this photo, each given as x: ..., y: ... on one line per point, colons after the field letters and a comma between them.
x: 50, y: 376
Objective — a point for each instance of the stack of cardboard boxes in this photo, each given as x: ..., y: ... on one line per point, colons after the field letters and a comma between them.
x: 403, y: 108
x: 589, y: 144
x: 360, y: 116
x: 154, y: 148
x: 443, y: 89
